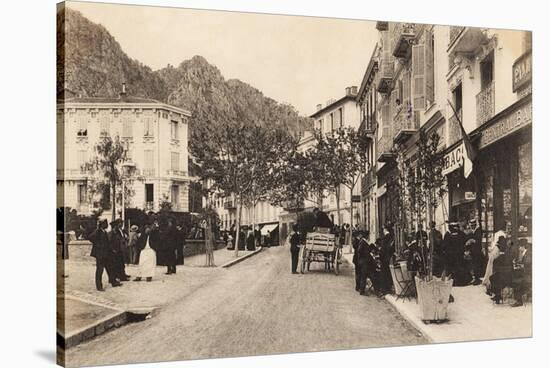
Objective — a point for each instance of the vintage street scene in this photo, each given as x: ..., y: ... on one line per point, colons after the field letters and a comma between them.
x: 239, y: 184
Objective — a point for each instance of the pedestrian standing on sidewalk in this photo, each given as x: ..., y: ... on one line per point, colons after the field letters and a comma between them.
x: 169, y: 238
x: 363, y: 256
x: 132, y: 242
x: 118, y: 244
x: 180, y: 245
x: 436, y: 240
x: 386, y: 253
x: 294, y: 248
x: 101, y: 252
x: 147, y: 255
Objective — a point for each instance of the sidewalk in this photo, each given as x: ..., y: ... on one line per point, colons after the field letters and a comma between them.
x: 472, y: 316
x: 88, y: 312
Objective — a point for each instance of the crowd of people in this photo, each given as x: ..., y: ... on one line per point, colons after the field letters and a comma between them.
x: 158, y: 242
x: 458, y: 254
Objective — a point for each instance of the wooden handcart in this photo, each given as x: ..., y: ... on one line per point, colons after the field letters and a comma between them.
x: 321, y: 248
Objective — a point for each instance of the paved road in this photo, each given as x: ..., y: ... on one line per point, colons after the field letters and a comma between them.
x: 257, y: 307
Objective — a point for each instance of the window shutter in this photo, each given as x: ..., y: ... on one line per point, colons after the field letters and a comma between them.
x: 429, y: 66
x: 386, y: 124
x: 127, y: 127
x: 393, y: 104
x: 175, y: 160
x: 418, y: 77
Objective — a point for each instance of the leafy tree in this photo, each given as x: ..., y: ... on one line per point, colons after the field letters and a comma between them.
x: 106, y: 167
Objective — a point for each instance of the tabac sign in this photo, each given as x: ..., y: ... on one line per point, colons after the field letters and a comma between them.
x: 521, y: 71
x: 454, y: 159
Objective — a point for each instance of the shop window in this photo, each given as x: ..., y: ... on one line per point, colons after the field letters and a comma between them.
x: 525, y: 190
x: 487, y: 205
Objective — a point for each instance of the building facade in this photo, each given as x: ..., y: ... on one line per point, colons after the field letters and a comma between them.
x: 432, y: 78
x: 336, y: 114
x: 156, y: 138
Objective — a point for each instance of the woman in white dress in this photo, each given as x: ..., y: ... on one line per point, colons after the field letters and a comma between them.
x: 147, y: 259
x: 493, y: 253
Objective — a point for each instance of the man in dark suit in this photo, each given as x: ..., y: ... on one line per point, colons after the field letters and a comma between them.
x: 521, y: 276
x: 363, y: 258
x: 118, y: 244
x: 180, y: 245
x: 102, y: 253
x: 169, y: 238
x: 294, y: 247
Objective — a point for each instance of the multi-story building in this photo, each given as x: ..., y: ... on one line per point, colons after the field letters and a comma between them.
x: 156, y: 138
x: 367, y: 98
x: 425, y: 74
x: 343, y: 112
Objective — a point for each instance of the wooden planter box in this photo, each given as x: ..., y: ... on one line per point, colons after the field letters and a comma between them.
x: 433, y: 298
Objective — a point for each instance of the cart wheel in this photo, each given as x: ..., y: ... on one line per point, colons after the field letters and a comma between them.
x: 337, y: 255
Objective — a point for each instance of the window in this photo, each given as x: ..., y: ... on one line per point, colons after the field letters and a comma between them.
x: 175, y: 161
x: 149, y: 165
x: 149, y: 193
x: 174, y: 130
x: 331, y: 121
x: 457, y: 99
x: 486, y: 71
x: 82, y: 159
x: 341, y: 116
x: 525, y: 192
x: 104, y: 125
x: 127, y: 127
x: 175, y: 195
x: 148, y: 127
x: 82, y: 126
x: 82, y: 190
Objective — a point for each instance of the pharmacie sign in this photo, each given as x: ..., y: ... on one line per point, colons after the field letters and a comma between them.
x: 454, y: 159
x: 521, y: 71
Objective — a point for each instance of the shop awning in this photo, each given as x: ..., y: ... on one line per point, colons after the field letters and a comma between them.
x: 268, y: 228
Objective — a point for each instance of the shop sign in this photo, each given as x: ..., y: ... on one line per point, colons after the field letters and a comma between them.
x: 454, y: 159
x: 356, y: 198
x: 469, y: 196
x: 521, y: 71
x: 507, y: 125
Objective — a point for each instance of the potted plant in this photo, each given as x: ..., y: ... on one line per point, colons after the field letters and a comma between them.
x: 424, y: 189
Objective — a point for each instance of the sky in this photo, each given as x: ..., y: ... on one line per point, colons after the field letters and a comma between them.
x: 294, y: 59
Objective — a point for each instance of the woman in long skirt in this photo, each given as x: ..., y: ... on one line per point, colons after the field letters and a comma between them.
x: 493, y: 253
x: 147, y: 261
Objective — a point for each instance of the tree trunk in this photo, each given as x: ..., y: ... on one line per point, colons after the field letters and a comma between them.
x: 208, y: 241
x: 238, y: 226
x: 113, y: 214
x: 254, y: 223
x: 338, y: 206
x: 351, y: 220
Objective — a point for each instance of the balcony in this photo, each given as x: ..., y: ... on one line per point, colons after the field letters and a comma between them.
x: 229, y: 204
x: 149, y: 172
x: 382, y: 26
x: 404, y: 126
x: 402, y: 37
x: 464, y: 42
x: 176, y: 173
x: 74, y: 174
x: 385, y: 145
x: 385, y: 75
x: 368, y: 180
x: 485, y: 104
x: 368, y: 124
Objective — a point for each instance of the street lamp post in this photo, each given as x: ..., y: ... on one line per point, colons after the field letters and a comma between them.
x: 126, y: 170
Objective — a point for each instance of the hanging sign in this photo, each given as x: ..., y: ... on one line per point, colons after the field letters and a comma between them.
x: 454, y: 159
x: 521, y: 71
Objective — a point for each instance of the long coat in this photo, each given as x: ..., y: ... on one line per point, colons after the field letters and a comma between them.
x: 100, y: 244
x: 166, y: 255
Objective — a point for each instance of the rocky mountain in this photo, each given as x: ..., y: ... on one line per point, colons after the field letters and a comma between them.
x: 92, y: 63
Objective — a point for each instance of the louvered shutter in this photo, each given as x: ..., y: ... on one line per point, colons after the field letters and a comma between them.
x: 429, y: 70
x: 418, y: 77
x: 386, y: 123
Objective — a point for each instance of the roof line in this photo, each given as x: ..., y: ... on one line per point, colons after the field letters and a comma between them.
x: 328, y: 107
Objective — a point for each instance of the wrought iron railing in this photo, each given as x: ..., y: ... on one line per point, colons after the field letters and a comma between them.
x: 401, y: 35
x: 454, y: 32
x: 485, y: 104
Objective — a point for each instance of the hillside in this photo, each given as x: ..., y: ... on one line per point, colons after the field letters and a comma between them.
x: 92, y: 63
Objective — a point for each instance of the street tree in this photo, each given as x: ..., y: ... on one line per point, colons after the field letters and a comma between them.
x: 106, y: 169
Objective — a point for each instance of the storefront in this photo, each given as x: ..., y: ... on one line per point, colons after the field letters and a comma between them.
x: 498, y: 193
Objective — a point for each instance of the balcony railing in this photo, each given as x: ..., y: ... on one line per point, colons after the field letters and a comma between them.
x: 229, y: 204
x: 369, y: 124
x: 149, y: 172
x: 485, y: 104
x: 404, y: 125
x: 402, y: 37
x: 385, y: 145
x: 69, y: 173
x: 292, y: 205
x: 368, y: 180
x: 385, y: 75
x: 454, y: 32
x: 178, y: 173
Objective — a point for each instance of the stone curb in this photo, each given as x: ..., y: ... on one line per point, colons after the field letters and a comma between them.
x: 417, y: 324
x: 240, y: 259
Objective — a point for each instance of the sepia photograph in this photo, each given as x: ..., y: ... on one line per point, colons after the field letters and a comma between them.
x: 234, y: 184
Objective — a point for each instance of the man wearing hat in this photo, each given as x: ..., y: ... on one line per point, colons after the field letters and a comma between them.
x: 478, y: 261
x: 133, y: 236
x: 118, y: 243
x: 101, y: 251
x: 362, y: 261
x: 453, y: 250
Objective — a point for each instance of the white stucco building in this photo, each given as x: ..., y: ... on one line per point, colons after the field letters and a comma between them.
x: 156, y: 136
